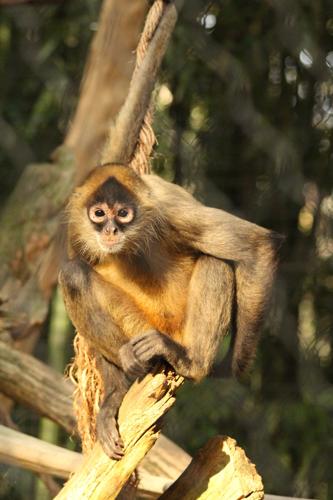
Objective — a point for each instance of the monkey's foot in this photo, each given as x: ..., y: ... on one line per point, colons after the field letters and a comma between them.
x: 108, y: 436
x: 132, y: 366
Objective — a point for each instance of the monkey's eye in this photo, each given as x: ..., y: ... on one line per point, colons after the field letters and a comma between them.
x: 99, y: 212
x: 122, y: 212
x: 125, y: 214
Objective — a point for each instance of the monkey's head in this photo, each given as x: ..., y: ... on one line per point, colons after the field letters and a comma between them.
x: 112, y: 212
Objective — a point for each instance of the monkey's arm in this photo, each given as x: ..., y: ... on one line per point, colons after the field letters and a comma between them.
x: 208, y: 319
x: 252, y: 248
x: 86, y: 297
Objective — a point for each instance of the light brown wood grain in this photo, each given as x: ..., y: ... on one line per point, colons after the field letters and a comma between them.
x: 220, y: 470
x: 143, y: 406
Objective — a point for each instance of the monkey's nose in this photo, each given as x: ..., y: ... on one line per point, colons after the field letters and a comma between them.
x: 111, y: 229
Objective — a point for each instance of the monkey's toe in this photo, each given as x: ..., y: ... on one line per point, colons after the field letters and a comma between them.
x: 109, y: 438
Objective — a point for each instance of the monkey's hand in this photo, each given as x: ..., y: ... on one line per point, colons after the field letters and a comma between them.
x: 132, y: 366
x: 150, y: 347
x: 108, y: 434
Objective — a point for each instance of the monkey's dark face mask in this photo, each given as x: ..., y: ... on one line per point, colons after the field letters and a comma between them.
x: 110, y: 223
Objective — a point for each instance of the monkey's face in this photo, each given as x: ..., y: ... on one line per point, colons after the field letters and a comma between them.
x: 111, y: 210
x: 109, y: 223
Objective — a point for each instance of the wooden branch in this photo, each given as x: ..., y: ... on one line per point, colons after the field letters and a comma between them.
x: 165, y: 459
x: 124, y: 135
x: 27, y: 452
x: 143, y: 406
x: 219, y: 470
x: 31, y: 453
x: 32, y: 383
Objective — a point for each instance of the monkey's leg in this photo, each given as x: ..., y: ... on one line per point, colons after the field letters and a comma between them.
x: 82, y: 289
x: 252, y: 248
x: 208, y: 318
x: 116, y: 385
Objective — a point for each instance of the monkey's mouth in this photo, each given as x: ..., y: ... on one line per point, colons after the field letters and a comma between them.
x: 110, y: 245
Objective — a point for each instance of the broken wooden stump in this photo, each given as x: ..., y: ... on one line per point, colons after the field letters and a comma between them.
x: 220, y: 470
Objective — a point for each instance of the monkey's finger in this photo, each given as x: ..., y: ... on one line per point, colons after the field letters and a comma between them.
x: 131, y: 367
x: 145, y: 352
x: 151, y: 334
x: 108, y: 436
x: 127, y: 357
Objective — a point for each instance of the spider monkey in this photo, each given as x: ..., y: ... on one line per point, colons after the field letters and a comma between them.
x: 152, y: 273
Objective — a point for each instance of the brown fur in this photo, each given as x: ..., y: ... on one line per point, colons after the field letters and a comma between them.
x: 151, y: 280
x: 160, y: 296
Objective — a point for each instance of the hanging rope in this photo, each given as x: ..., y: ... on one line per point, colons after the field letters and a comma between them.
x: 146, y: 141
x: 84, y: 370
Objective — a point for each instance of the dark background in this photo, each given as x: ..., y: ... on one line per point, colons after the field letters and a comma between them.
x: 244, y: 120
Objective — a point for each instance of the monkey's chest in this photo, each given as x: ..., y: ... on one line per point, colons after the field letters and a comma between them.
x: 165, y: 311
x: 161, y: 303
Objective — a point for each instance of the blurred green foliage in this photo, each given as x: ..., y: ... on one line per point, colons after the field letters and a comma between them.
x: 244, y: 120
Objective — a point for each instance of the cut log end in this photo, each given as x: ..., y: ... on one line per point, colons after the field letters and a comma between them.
x: 219, y: 470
